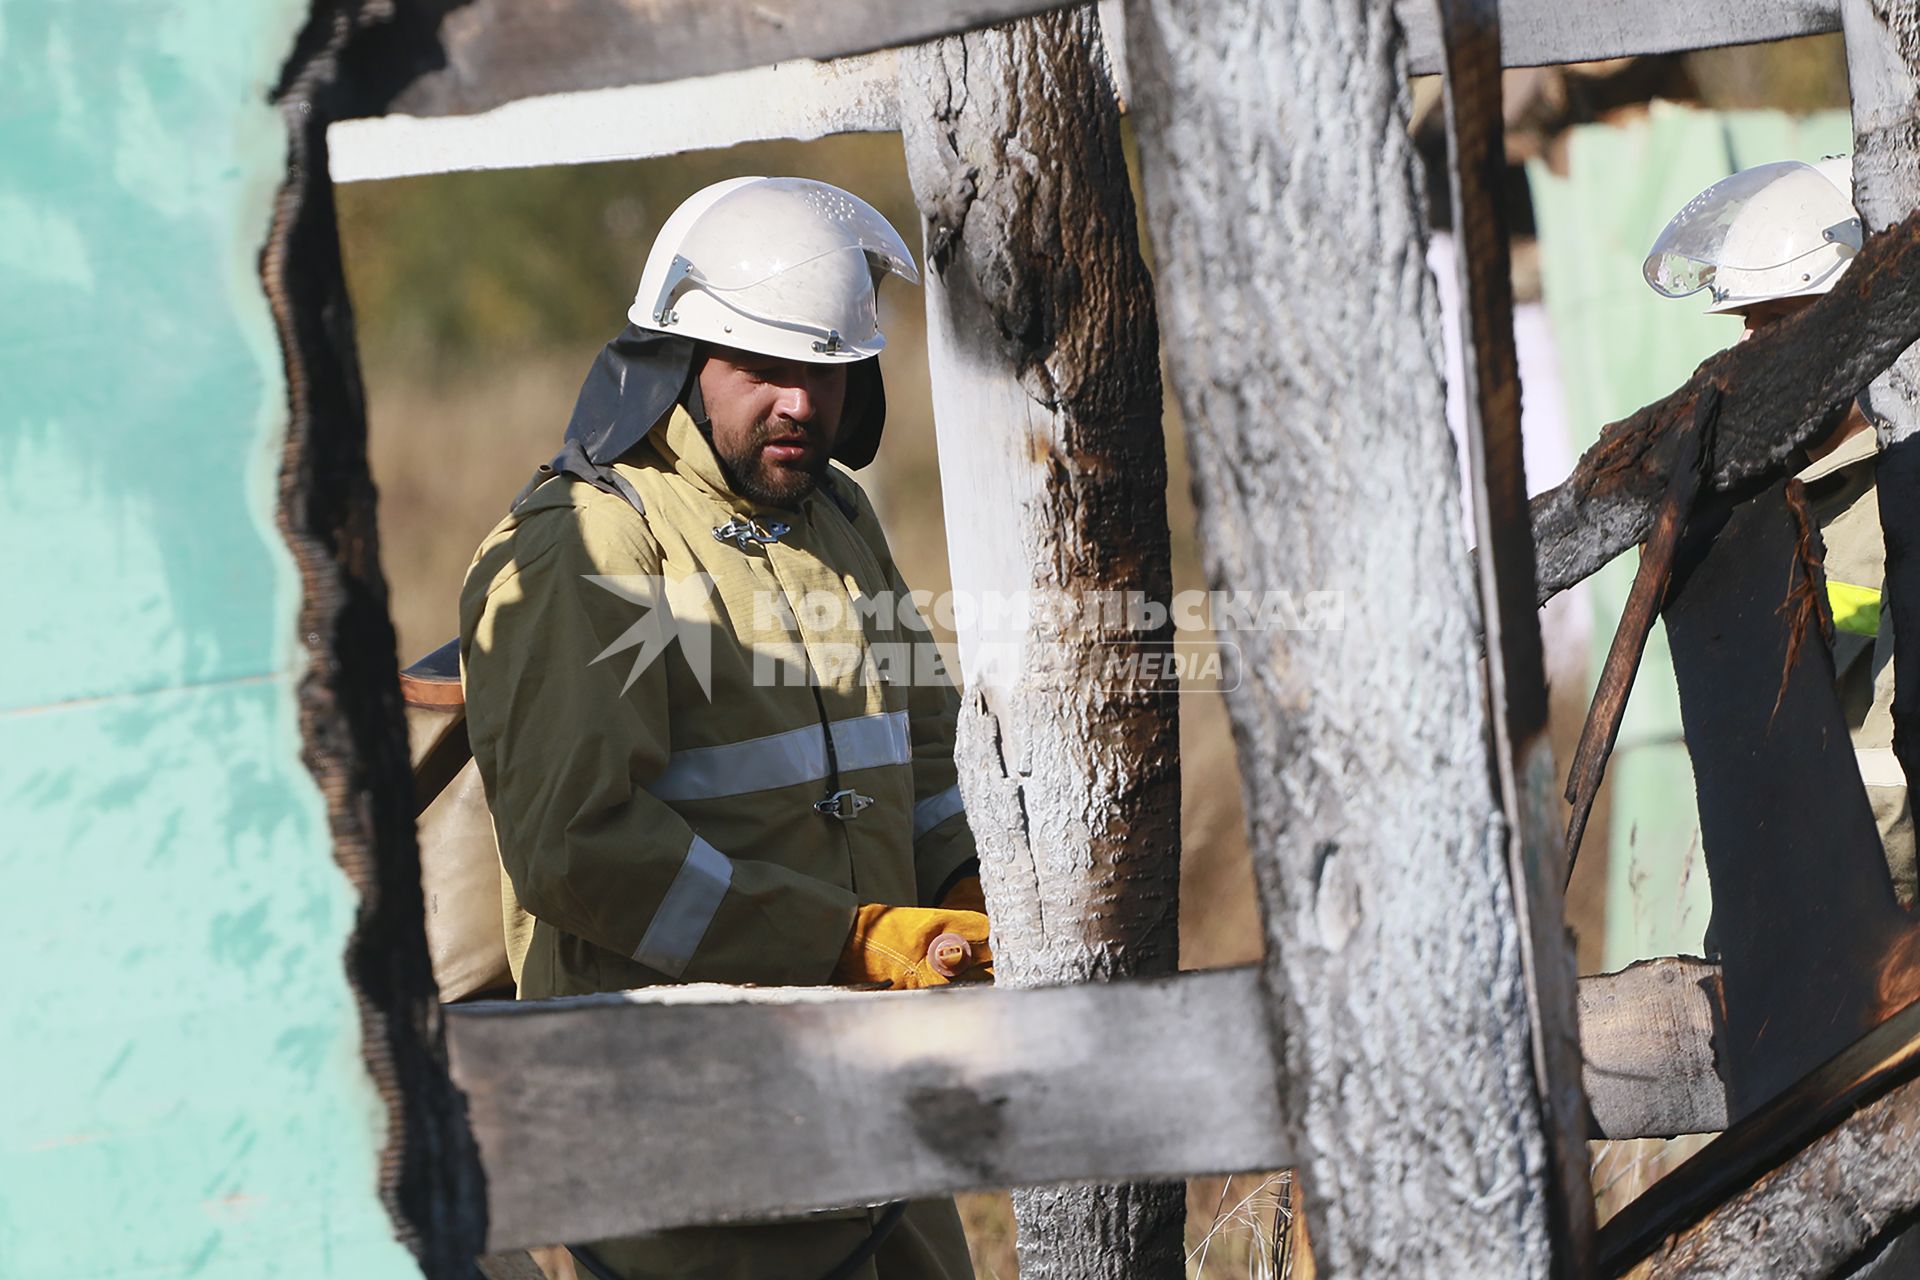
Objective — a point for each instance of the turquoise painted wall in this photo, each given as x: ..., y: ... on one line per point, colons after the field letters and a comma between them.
x: 183, y: 1090
x: 1622, y: 346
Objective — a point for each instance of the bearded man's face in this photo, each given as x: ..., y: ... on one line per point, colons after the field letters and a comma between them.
x: 774, y: 421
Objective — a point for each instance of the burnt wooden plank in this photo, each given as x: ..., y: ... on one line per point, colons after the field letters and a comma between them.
x: 1804, y: 917
x: 1788, y: 384
x: 1883, y: 75
x: 1880, y: 1065
x: 1816, y: 1214
x: 449, y: 57
x: 351, y: 731
x: 608, y: 1115
x: 452, y: 58
x: 1044, y: 361
x: 1602, y: 726
x: 1516, y: 669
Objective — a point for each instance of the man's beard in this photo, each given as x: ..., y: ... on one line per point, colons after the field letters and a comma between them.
x: 767, y: 484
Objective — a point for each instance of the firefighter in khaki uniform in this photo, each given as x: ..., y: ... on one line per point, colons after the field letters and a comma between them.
x: 1765, y: 242
x: 710, y: 722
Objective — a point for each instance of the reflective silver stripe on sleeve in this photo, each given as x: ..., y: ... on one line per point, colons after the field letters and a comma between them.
x: 777, y: 760
x: 687, y: 910
x: 870, y: 741
x: 936, y: 809
x: 783, y: 759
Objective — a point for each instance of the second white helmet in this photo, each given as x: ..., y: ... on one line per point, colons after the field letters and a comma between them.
x: 1781, y: 230
x: 784, y: 267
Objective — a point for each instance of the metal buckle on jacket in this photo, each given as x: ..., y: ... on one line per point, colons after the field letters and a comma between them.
x: 844, y: 804
x: 744, y: 533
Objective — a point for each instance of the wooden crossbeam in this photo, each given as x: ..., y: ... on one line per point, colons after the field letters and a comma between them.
x: 799, y: 100
x: 443, y: 58
x: 608, y: 1115
x: 729, y: 1103
x: 478, y: 55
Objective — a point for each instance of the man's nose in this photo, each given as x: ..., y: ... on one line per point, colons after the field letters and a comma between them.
x: 796, y: 402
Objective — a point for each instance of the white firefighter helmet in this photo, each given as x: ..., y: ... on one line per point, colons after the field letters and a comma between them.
x: 1781, y: 230
x: 784, y: 267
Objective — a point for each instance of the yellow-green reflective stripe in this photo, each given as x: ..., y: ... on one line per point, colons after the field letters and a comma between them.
x: 1855, y: 609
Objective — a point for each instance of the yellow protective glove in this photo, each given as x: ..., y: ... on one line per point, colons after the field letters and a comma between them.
x: 966, y: 895
x: 913, y: 947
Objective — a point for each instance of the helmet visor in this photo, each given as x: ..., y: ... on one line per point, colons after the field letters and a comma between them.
x: 1760, y: 219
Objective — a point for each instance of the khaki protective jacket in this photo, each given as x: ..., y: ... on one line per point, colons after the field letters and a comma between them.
x: 660, y: 822
x: 1841, y: 492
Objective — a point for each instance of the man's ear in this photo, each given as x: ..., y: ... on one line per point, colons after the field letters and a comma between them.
x: 690, y: 394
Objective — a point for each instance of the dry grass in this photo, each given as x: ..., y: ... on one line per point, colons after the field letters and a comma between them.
x: 1246, y: 1232
x: 448, y: 455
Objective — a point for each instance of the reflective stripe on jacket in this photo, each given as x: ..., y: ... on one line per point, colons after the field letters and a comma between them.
x: 656, y: 713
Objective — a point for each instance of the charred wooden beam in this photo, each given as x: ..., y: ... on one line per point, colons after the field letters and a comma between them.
x: 1649, y: 592
x: 1813, y: 946
x: 1785, y: 386
x: 1043, y: 351
x: 1818, y: 1213
x: 351, y: 728
x: 1516, y: 669
x: 1805, y: 1182
x: 456, y: 57
x: 1883, y: 74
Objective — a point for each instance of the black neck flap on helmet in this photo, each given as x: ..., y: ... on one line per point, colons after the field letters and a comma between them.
x: 641, y: 375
